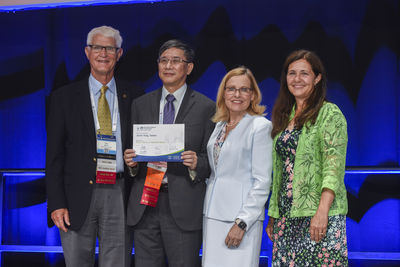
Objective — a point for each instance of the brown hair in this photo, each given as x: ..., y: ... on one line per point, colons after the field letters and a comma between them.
x: 222, y: 113
x: 285, y: 101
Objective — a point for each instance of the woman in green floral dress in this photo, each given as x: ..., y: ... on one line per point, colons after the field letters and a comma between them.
x: 308, y: 205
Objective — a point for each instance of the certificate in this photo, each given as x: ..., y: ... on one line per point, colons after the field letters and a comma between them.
x: 158, y: 142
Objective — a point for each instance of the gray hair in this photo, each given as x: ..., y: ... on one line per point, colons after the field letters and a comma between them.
x: 174, y: 43
x: 106, y: 31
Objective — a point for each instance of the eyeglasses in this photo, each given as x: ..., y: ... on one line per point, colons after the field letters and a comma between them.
x: 108, y: 49
x: 174, y: 61
x: 242, y: 90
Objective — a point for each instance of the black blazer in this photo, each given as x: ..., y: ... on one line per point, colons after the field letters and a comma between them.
x: 71, y: 147
x: 185, y: 196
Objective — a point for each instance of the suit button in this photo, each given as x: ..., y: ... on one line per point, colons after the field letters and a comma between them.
x: 91, y: 182
x: 94, y: 159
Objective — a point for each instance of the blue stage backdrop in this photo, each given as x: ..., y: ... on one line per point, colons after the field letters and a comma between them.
x: 358, y: 41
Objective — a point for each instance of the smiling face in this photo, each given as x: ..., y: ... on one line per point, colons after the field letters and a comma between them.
x: 172, y: 75
x: 238, y: 101
x: 301, y: 80
x: 102, y: 63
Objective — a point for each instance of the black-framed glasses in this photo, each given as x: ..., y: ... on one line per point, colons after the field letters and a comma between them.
x: 108, y: 49
x: 242, y: 90
x: 174, y: 61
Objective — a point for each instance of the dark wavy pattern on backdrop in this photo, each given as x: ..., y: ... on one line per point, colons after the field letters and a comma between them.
x: 264, y: 53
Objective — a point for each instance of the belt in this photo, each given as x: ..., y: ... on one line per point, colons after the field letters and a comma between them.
x: 120, y: 175
x: 164, y: 188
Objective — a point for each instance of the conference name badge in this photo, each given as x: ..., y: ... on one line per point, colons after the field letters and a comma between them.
x: 106, y: 170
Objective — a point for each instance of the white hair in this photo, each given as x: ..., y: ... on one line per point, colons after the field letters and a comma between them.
x: 106, y: 31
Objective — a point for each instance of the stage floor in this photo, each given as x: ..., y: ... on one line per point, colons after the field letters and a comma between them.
x: 18, y: 259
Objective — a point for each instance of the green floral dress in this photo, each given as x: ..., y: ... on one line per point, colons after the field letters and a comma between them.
x: 292, y: 245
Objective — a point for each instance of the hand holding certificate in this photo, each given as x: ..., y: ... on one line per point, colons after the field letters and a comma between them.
x: 158, y: 142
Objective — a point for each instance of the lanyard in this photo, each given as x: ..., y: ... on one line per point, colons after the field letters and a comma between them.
x: 115, y: 113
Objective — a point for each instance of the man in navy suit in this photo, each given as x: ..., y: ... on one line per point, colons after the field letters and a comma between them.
x: 172, y: 230
x: 86, y: 191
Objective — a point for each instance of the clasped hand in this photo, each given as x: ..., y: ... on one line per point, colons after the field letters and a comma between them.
x: 234, y: 236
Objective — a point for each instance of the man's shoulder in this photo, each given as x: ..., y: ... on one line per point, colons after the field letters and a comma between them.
x: 157, y: 94
x: 148, y: 96
x: 202, y: 98
x: 124, y: 84
x: 132, y: 89
x: 71, y: 88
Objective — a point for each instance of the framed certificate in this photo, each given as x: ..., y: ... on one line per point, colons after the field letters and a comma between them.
x: 158, y: 142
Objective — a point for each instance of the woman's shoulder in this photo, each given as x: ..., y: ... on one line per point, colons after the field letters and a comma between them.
x: 330, y: 114
x: 330, y: 109
x: 259, y: 121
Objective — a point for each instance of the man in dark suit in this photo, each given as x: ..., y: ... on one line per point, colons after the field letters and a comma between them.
x: 172, y: 230
x: 85, y: 172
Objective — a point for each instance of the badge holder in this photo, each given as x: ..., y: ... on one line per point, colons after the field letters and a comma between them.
x: 152, y: 184
x: 106, y: 172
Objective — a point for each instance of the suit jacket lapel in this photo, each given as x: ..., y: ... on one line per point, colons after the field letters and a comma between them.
x: 187, y: 103
x: 86, y: 111
x: 154, y: 106
x: 123, y: 116
x: 213, y: 137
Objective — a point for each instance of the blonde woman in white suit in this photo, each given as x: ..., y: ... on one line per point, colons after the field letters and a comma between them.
x: 240, y: 156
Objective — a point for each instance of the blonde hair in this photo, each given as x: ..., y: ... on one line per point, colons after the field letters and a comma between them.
x: 222, y: 113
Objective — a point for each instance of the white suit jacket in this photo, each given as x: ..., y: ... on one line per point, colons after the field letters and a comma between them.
x: 240, y: 185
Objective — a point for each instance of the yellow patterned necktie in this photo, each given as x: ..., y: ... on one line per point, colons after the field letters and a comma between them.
x: 103, y: 113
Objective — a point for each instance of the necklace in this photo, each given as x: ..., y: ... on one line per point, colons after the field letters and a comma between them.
x: 232, y: 124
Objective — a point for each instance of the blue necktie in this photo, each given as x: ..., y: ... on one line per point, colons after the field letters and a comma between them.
x: 169, y: 110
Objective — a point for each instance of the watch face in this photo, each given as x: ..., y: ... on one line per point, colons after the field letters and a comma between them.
x: 242, y: 225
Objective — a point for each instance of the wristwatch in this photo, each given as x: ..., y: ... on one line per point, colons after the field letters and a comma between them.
x: 242, y: 225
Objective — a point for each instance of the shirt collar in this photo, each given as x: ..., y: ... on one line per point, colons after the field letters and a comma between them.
x: 178, y: 94
x: 95, y: 85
